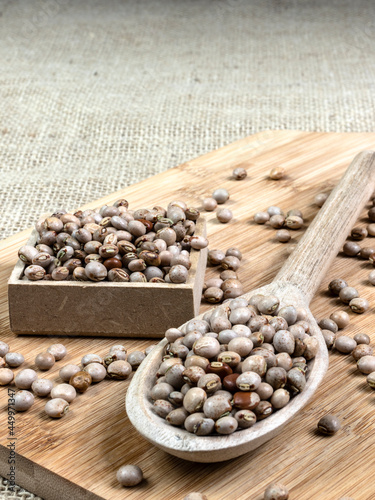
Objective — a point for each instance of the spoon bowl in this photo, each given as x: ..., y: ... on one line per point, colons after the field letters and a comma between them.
x: 295, y: 284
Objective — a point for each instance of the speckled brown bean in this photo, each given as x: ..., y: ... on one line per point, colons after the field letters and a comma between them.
x: 59, y: 351
x: 67, y: 371
x: 97, y: 371
x: 207, y: 347
x: 272, y: 210
x: 362, y: 350
x: 216, y: 406
x: 276, y: 377
x: 366, y: 364
x: 91, y: 358
x: 297, y: 331
x: 371, y: 278
x: 284, y: 361
x: 119, y: 370
x: 341, y: 318
x: 232, y: 288
x: 203, y: 426
x: 192, y: 420
x: 329, y: 425
x: 23, y: 400
x: 277, y: 173
x: 328, y: 324
x: 25, y: 378
x: 194, y: 399
x: 268, y: 304
x: 289, y: 313
x: 214, y: 295
x: 178, y: 274
x: 264, y: 390
x: 336, y: 285
x: 56, y: 407
x: 370, y: 379
x: 41, y: 387
x: 198, y: 242
x: 64, y: 391
x: 351, y: 248
x: 294, y: 222
x: 283, y: 341
x: 135, y: 358
x: 4, y: 348
x: 242, y: 345
x: 366, y: 253
x: 162, y: 407
x: 371, y: 214
x: 199, y: 325
x: 45, y: 360
x: 161, y: 391
x: 239, y: 173
x: 14, y: 359
x: 359, y: 305
x: 226, y: 425
x: 347, y: 294
x: 209, y: 204
x: 192, y: 374
x: 256, y: 364
x: 245, y: 418
x: 277, y: 221
x: 320, y: 199
x: 263, y: 410
x: 81, y: 381
x: 79, y: 274
x: 166, y: 364
x: 228, y: 274
x: 6, y: 376
x: 359, y: 233
x: 261, y: 217
x: 26, y: 253
x: 362, y: 338
x: 177, y: 416
x: 329, y: 338
x: 245, y: 400
x: 215, y: 257
x: 345, y: 344
x: 248, y: 381
x: 230, y: 262
x: 219, y: 323
x: 280, y: 398
x: 34, y: 273
x: 296, y: 380
x: 213, y: 282
x: 276, y: 491
x: 240, y: 315
x: 312, y: 347
x: 221, y: 195
x: 96, y: 271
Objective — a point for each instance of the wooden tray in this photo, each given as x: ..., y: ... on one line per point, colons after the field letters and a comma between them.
x: 81, y: 308
x: 77, y: 456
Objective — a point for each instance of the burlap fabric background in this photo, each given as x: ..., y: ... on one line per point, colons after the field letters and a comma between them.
x: 96, y: 95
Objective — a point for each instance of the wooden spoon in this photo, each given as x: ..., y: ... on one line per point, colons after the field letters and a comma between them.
x: 295, y: 284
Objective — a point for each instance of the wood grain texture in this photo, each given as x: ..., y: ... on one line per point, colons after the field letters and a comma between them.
x: 106, y: 309
x: 295, y: 284
x: 77, y: 457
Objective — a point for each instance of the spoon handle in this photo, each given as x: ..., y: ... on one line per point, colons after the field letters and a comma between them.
x: 307, y: 265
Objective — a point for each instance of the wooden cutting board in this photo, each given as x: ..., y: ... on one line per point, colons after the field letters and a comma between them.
x: 77, y: 457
